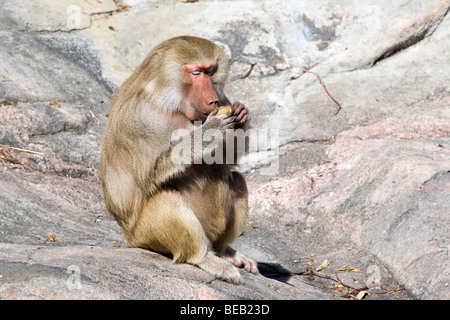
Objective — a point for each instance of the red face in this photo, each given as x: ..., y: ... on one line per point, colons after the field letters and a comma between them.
x: 200, y: 91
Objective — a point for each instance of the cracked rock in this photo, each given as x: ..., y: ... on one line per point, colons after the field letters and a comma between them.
x: 365, y: 188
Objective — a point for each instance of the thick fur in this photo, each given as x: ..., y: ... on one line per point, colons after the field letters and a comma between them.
x: 191, y: 212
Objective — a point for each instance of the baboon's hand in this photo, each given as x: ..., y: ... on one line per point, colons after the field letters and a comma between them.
x: 221, y: 121
x: 241, y: 113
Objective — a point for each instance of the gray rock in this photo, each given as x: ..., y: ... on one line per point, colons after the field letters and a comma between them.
x: 364, y: 187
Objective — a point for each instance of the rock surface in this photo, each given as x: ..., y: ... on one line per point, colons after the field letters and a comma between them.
x: 365, y: 187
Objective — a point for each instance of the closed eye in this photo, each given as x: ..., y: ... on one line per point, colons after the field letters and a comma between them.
x: 210, y: 71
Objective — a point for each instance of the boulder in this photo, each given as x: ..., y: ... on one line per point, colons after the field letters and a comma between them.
x: 348, y: 198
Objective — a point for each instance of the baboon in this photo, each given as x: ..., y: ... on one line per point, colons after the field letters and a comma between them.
x: 191, y: 210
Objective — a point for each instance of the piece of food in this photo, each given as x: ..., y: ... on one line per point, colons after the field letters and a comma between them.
x: 224, y: 109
